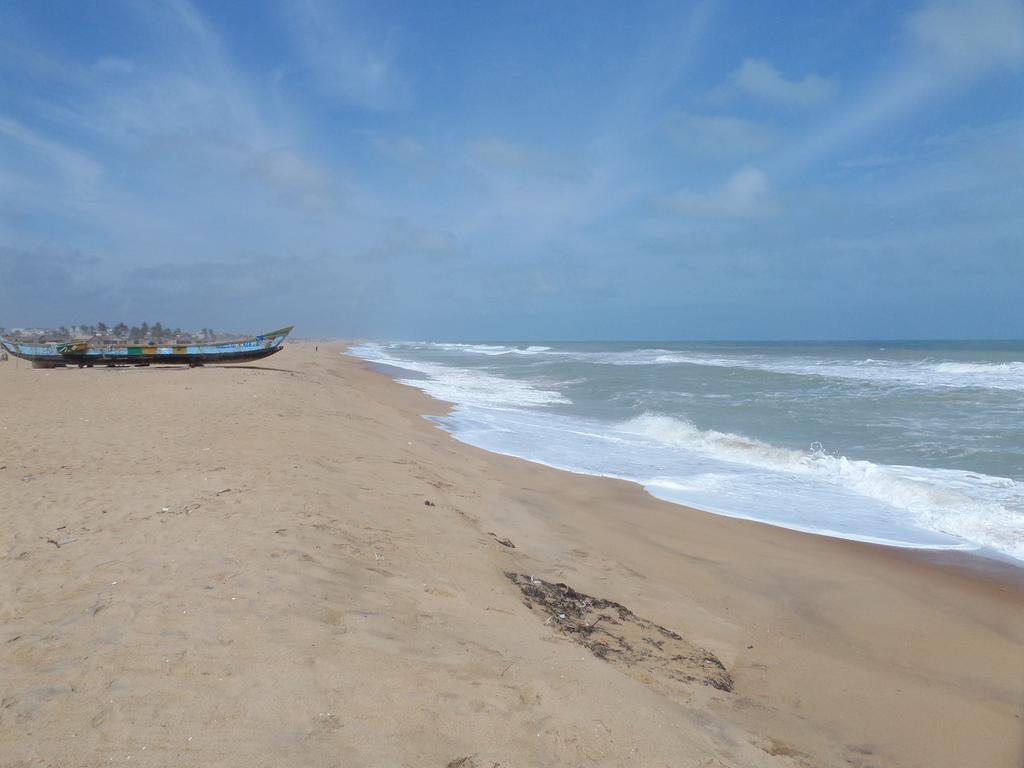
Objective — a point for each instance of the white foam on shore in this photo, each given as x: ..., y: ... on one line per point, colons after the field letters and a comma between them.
x: 717, y: 485
x: 969, y: 505
x: 492, y: 350
x: 730, y: 474
x: 925, y: 373
x: 464, y: 386
x: 913, y: 373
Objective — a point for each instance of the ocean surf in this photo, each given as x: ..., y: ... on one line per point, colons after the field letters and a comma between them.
x: 910, y: 445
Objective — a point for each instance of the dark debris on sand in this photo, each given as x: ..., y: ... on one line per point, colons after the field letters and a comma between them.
x: 614, y: 633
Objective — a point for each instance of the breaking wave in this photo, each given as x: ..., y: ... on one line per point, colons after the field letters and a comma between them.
x: 503, y: 404
x: 464, y: 386
x: 914, y: 373
x: 968, y: 505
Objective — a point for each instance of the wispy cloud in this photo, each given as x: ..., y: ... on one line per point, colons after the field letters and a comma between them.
x: 297, y: 179
x: 354, y: 66
x: 113, y: 65
x: 744, y: 195
x: 759, y: 78
x: 404, y: 149
x: 405, y: 239
x: 950, y: 45
x: 517, y: 159
x: 719, y: 135
x: 970, y: 37
x: 193, y: 119
x: 395, y: 165
x: 78, y: 170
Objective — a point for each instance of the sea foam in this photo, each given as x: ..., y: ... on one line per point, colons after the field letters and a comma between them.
x: 975, y: 507
x: 464, y: 386
x: 525, y: 411
x: 915, y: 373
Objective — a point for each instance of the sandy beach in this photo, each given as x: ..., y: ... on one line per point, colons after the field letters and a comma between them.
x: 285, y: 564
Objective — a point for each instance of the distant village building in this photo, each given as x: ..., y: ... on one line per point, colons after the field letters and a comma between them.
x: 106, y: 334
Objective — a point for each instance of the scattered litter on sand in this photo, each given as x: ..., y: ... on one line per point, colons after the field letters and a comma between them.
x: 58, y: 543
x: 504, y: 542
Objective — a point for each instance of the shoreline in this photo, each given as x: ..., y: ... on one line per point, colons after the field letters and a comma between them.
x: 975, y: 576
x: 991, y: 562
x: 289, y: 563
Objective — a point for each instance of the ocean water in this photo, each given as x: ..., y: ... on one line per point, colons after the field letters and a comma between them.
x: 906, y: 444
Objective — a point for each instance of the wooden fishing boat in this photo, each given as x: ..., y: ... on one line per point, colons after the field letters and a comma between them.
x: 85, y: 353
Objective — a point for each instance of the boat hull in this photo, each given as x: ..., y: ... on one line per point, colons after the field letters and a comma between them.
x: 241, y: 351
x: 170, y: 359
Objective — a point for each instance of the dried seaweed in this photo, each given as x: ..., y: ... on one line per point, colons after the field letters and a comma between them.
x: 614, y: 633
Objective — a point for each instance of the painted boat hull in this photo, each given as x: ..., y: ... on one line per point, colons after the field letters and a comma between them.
x: 241, y: 351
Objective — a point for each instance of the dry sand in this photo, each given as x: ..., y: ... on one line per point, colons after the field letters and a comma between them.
x: 249, y: 574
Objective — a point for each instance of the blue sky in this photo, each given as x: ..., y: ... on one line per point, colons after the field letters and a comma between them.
x: 516, y: 170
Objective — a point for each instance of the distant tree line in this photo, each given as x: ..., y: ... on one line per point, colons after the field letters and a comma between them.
x: 145, y: 332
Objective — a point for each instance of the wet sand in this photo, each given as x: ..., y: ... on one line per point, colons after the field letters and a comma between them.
x: 285, y: 564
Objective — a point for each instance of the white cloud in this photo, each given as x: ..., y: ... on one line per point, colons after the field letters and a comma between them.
x: 971, y: 36
x: 517, y: 195
x: 718, y: 135
x: 760, y: 79
x: 78, y: 169
x: 408, y: 152
x: 296, y: 179
x: 190, y: 137
x: 955, y: 43
x: 404, y: 149
x: 404, y: 239
x: 197, y: 91
x: 200, y: 117
x: 345, y: 64
x: 111, y: 65
x: 744, y: 195
x: 514, y: 159
x: 502, y: 155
